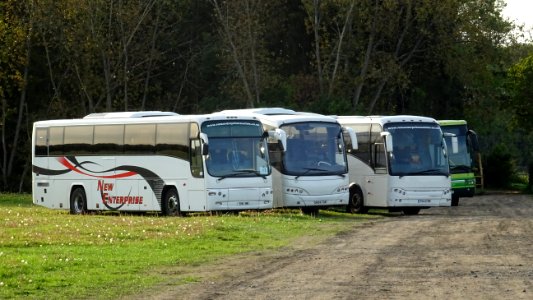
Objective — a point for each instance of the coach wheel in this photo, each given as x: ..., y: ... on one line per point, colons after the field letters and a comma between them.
x: 455, y: 200
x: 310, y: 210
x: 411, y: 211
x: 170, y: 204
x: 356, y: 203
x: 78, y: 201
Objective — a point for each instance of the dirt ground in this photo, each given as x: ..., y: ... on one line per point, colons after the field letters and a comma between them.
x: 482, y: 249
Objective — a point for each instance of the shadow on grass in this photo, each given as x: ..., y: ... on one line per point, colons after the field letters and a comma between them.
x: 331, y: 213
x: 384, y: 213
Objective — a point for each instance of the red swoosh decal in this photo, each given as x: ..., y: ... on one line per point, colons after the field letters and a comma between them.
x: 67, y: 164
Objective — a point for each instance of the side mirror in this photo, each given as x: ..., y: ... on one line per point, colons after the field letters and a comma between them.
x: 280, y: 136
x: 472, y: 136
x: 353, y: 137
x: 205, y: 143
x: 388, y: 140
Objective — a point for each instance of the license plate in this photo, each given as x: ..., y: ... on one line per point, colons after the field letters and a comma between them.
x: 320, y: 202
x: 424, y: 201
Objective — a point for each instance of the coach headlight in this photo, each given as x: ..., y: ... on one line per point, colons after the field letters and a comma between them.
x: 342, y: 189
x: 398, y: 191
x: 294, y: 191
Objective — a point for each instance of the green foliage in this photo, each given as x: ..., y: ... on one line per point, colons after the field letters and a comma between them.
x: 520, y: 77
x: 530, y: 177
x: 499, y: 167
x: 446, y: 59
x: 49, y: 254
x: 331, y: 106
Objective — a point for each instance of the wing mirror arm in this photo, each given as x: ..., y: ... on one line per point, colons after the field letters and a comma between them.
x: 280, y: 136
x: 205, y: 143
x: 353, y: 137
x: 388, y: 140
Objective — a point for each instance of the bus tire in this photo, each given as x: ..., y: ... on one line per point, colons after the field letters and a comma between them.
x: 356, y: 203
x: 455, y: 200
x: 310, y: 210
x: 170, y: 203
x: 78, y: 201
x: 411, y: 211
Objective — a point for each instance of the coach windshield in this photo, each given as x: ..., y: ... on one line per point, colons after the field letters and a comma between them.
x: 419, y: 149
x: 314, y: 148
x: 237, y: 148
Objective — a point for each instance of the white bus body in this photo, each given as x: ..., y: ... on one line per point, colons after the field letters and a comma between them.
x: 401, y: 164
x: 312, y: 171
x: 165, y: 163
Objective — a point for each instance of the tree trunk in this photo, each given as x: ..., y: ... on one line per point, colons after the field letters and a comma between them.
x: 234, y: 53
x: 316, y: 26
x: 252, y: 43
x: 150, y: 60
x: 377, y: 95
x: 366, y: 61
x: 339, y: 48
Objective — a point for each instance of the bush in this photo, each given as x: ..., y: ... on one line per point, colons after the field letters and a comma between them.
x: 499, y: 167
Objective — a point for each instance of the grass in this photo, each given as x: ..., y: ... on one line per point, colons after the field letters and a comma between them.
x: 49, y: 254
x: 520, y: 182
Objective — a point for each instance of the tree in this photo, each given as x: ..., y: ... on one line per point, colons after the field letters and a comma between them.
x: 16, y: 34
x: 241, y: 27
x: 328, y: 50
x: 520, y: 77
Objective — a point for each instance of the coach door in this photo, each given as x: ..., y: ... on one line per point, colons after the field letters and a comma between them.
x: 41, y: 183
x: 196, y: 194
x: 376, y: 184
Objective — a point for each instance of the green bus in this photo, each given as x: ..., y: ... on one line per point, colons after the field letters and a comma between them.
x: 461, y: 163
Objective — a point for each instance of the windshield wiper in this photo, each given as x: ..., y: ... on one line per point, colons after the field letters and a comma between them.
x: 307, y: 170
x: 430, y: 172
x: 461, y: 168
x: 241, y: 172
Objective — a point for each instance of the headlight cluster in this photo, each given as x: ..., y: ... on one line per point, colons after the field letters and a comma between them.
x: 266, y: 193
x: 398, y: 191
x: 294, y: 191
x: 342, y: 189
x: 214, y: 194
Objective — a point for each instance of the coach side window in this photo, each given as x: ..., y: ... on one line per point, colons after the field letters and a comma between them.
x: 173, y: 140
x: 78, y: 140
x: 41, y: 136
x: 55, y: 140
x: 197, y: 169
x: 108, y: 139
x: 363, y: 138
x: 139, y: 139
x: 378, y: 149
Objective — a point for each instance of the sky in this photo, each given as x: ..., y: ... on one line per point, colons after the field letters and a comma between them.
x: 520, y: 11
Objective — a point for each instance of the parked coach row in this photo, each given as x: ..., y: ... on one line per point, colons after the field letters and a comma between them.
x: 248, y: 159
